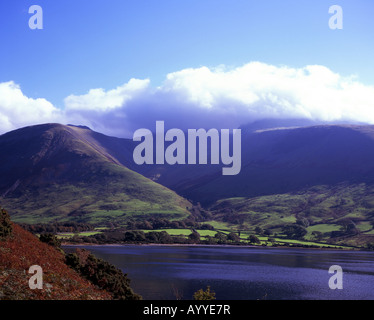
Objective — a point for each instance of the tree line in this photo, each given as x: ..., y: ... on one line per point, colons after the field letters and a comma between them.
x: 56, y: 227
x: 122, y: 235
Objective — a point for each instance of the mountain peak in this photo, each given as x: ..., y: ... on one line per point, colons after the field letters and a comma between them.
x: 79, y: 126
x: 71, y: 172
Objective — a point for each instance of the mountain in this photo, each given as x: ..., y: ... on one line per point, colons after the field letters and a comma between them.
x: 275, y: 123
x: 281, y: 160
x: 290, y: 170
x: 55, y: 173
x: 319, y: 176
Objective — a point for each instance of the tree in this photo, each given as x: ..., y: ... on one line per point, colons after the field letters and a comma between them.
x: 253, y: 239
x: 348, y: 226
x: 233, y: 237
x: 152, y: 236
x: 294, y: 231
x: 206, y: 226
x: 210, y: 240
x: 204, y: 295
x: 221, y: 237
x: 194, y: 237
x: 130, y: 236
x: 164, y: 237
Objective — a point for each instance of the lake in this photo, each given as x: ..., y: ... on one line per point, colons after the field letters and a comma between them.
x: 240, y: 273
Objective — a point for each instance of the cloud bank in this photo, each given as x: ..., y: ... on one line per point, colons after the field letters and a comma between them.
x: 17, y: 110
x: 202, y: 97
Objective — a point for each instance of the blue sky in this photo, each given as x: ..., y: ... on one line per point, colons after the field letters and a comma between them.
x: 88, y: 44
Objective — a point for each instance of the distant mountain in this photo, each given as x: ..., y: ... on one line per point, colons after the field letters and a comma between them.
x: 320, y: 177
x: 54, y: 172
x: 281, y: 160
x: 269, y: 123
x: 264, y: 124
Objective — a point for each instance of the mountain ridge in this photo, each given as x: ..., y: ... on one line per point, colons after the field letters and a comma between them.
x: 284, y: 160
x: 58, y: 172
x: 78, y: 174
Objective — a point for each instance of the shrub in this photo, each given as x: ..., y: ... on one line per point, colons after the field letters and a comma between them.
x: 102, y: 274
x: 6, y: 227
x: 204, y: 295
x: 50, y: 239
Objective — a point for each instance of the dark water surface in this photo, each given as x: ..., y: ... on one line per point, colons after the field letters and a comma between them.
x: 237, y: 273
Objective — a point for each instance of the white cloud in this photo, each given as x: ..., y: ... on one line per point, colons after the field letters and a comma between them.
x: 17, y: 110
x: 103, y: 101
x: 259, y: 90
x: 203, y: 97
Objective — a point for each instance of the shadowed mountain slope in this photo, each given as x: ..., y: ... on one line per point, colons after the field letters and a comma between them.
x: 54, y: 172
x: 281, y: 160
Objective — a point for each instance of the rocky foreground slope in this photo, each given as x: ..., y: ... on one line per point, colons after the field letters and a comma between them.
x: 19, y: 250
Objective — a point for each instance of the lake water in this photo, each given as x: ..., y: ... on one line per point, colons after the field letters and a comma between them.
x: 238, y: 273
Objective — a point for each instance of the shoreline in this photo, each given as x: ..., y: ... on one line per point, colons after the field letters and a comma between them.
x: 153, y: 245
x: 202, y: 245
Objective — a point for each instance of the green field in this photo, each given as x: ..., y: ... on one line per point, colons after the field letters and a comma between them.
x: 205, y: 234
x: 244, y: 237
x: 325, y: 209
x: 66, y: 235
x: 185, y: 232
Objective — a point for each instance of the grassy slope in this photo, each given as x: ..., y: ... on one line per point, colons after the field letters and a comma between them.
x: 117, y: 194
x: 75, y: 178
x: 324, y: 207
